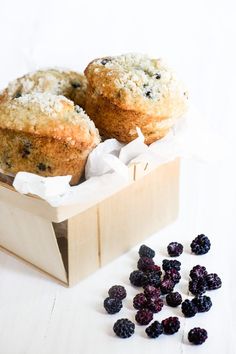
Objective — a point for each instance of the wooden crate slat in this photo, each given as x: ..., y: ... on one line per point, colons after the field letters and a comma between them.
x: 138, y: 211
x: 83, y: 245
x: 32, y: 238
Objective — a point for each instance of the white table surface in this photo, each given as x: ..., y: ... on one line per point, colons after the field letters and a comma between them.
x: 38, y: 316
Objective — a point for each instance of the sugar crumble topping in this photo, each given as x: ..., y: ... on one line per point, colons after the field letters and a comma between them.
x: 55, y: 81
x: 54, y: 108
x: 48, y: 103
x: 150, y: 78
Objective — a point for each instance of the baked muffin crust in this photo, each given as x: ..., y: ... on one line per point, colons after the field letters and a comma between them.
x: 130, y: 91
x: 136, y: 82
x: 45, y: 134
x: 58, y: 82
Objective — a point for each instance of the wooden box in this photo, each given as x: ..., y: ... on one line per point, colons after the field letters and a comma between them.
x: 69, y: 244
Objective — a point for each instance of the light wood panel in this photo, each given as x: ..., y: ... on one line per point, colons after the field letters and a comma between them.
x: 83, y: 245
x: 139, y: 210
x: 32, y: 238
x: 28, y: 203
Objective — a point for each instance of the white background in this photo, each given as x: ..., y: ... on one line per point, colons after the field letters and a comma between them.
x: 198, y: 40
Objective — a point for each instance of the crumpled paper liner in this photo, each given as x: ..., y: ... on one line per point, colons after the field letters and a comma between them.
x: 108, y: 165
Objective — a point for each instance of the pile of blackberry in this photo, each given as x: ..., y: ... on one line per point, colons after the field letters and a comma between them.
x: 200, y: 282
x: 113, y: 303
x: 157, y: 283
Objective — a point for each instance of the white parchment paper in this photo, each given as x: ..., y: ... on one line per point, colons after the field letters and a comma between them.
x: 107, y: 168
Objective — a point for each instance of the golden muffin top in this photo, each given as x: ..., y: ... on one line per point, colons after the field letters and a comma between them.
x: 55, y: 81
x: 54, y: 116
x: 137, y: 82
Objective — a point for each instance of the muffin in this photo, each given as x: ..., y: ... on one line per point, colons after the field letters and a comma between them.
x: 45, y: 134
x: 132, y: 90
x: 70, y: 84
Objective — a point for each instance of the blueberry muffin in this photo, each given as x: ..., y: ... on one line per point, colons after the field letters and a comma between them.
x: 45, y: 134
x: 130, y: 91
x: 67, y: 83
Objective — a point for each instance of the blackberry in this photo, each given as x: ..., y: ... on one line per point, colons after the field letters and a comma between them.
x: 139, y: 301
x: 144, y: 316
x: 157, y: 76
x: 155, y: 305
x: 154, y: 268
x: 197, y: 335
x: 189, y: 309
x: 75, y: 84
x: 149, y: 94
x: 175, y: 249
x: 145, y: 251
x: 173, y: 274
x: 170, y: 264
x: 41, y: 166
x: 112, y: 305
x: 166, y: 286
x: 171, y: 325
x: 213, y: 281
x: 144, y: 262
x: 151, y: 278
x: 17, y: 94
x: 173, y: 299
x: 152, y: 292
x: 200, y: 245
x: 26, y: 149
x: 198, y: 272
x: 117, y: 292
x: 136, y: 278
x: 154, y: 330
x: 198, y: 286
x: 124, y: 328
x: 203, y: 303
x: 105, y: 61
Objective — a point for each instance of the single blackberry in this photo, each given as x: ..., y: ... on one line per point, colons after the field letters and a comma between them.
x: 175, y: 249
x: 155, y: 305
x: 203, y: 303
x: 139, y: 301
x: 144, y: 316
x: 198, y: 286
x: 124, y: 328
x: 189, y: 309
x: 145, y: 251
x: 151, y: 278
x: 154, y: 268
x: 213, y: 281
x: 41, y: 166
x: 136, y: 278
x: 154, y: 330
x: 105, y: 61
x: 144, y: 262
x: 173, y: 299
x: 151, y: 292
x: 112, y: 305
x: 157, y: 76
x: 197, y: 335
x: 172, y: 274
x: 166, y: 286
x: 200, y: 245
x: 170, y: 264
x: 75, y: 84
x: 171, y: 325
x: 198, y: 272
x: 17, y: 94
x: 117, y: 292
x: 149, y: 94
